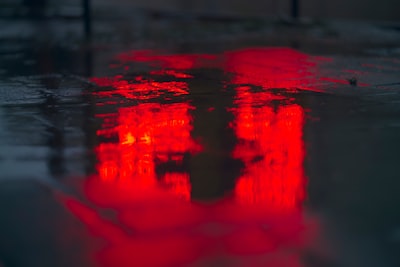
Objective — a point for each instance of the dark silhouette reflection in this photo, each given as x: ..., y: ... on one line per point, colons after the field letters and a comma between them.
x: 50, y: 112
x: 213, y: 171
x: 55, y: 136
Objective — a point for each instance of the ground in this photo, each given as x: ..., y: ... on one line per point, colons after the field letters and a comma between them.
x: 237, y: 142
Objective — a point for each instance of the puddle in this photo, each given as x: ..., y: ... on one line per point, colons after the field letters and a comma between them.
x: 218, y: 181
x: 231, y: 159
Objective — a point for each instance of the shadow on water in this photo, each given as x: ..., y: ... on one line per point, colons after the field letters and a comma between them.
x: 230, y: 159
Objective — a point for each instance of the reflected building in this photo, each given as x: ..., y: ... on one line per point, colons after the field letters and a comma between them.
x: 270, y: 144
x: 269, y: 127
x: 153, y: 140
x: 146, y: 144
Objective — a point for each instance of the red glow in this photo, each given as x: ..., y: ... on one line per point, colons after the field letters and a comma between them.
x: 140, y: 88
x: 147, y: 133
x: 271, y: 68
x: 272, y: 149
x: 178, y: 183
x: 270, y: 139
x: 174, y: 73
x: 269, y: 143
x: 180, y: 62
x: 152, y: 221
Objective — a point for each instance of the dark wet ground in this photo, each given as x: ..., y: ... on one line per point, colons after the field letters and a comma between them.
x: 211, y: 154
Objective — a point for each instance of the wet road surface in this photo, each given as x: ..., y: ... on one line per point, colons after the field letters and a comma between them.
x: 255, y: 156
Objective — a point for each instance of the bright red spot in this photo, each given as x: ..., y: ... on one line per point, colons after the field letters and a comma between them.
x: 270, y: 144
x: 147, y: 134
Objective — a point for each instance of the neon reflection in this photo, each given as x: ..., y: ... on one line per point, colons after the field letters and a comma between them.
x: 271, y: 147
x: 272, y: 68
x: 148, y: 135
x: 143, y: 167
x: 173, y: 63
x: 140, y: 88
x: 269, y: 130
x: 269, y: 136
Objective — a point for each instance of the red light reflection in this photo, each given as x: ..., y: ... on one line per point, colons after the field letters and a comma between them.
x: 148, y: 134
x: 272, y: 149
x: 139, y: 89
x: 271, y: 68
x: 142, y: 177
x: 270, y: 138
x: 171, y: 62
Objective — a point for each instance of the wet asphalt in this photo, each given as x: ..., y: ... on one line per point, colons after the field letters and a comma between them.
x: 250, y: 149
